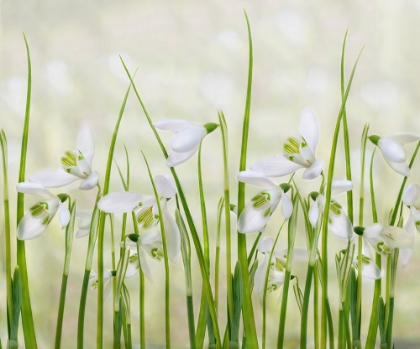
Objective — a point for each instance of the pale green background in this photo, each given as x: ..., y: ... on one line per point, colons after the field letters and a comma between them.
x: 192, y: 60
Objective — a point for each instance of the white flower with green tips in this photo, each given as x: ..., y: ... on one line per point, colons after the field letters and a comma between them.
x: 298, y: 152
x: 186, y: 139
x: 392, y: 149
x: 94, y: 282
x: 147, y: 213
x: 385, y: 239
x: 257, y: 213
x: 277, y: 265
x: 369, y: 268
x: 39, y: 216
x: 76, y: 164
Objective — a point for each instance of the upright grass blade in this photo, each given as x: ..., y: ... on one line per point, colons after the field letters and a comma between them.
x: 217, y: 257
x: 66, y: 268
x: 324, y: 251
x: 165, y: 256
x: 17, y: 303
x: 27, y: 317
x: 224, y: 130
x: 190, y: 221
x: 92, y: 241
x: 6, y: 208
x: 247, y: 310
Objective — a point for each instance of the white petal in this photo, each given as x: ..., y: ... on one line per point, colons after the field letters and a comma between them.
x: 341, y: 185
x: 252, y: 220
x: 120, y: 202
x: 172, y: 125
x: 84, y: 222
x: 341, y: 226
x: 371, y: 271
x: 397, y: 237
x: 276, y: 166
x: 392, y: 150
x: 149, y: 238
x: 259, y: 278
x: 309, y: 128
x: 165, y: 185
x: 133, y: 266
x: 30, y: 227
x: 85, y: 142
x: 107, y: 288
x: 404, y: 137
x: 313, y: 213
x: 90, y: 182
x: 176, y: 159
x: 399, y: 167
x: 81, y: 233
x: 33, y: 189
x: 256, y: 178
x: 300, y: 254
x: 411, y: 194
x: 314, y: 170
x: 405, y: 255
x: 145, y: 267
x: 286, y: 206
x: 266, y: 244
x: 188, y: 139
x: 173, y: 237
x: 53, y: 179
x: 63, y: 215
x: 373, y: 231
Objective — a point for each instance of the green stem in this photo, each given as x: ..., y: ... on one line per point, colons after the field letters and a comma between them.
x: 316, y: 309
x: 61, y: 311
x: 284, y: 298
x: 305, y: 307
x: 217, y: 259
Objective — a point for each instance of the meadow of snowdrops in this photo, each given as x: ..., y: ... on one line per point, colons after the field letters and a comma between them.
x: 192, y: 61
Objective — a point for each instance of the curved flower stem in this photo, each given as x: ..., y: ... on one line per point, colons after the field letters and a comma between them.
x: 27, y: 317
x: 69, y: 243
x: 165, y: 257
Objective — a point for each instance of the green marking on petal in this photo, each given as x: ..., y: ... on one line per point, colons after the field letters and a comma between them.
x: 146, y: 218
x: 365, y: 260
x: 267, y: 212
x: 45, y: 220
x: 280, y: 265
x: 261, y: 199
x: 70, y: 159
x: 335, y: 208
x: 383, y: 248
x: 156, y: 253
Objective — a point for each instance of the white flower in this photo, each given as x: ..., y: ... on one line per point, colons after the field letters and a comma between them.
x: 391, y: 147
x: 76, y: 164
x: 277, y: 265
x: 369, y: 268
x: 36, y: 220
x: 385, y: 239
x: 411, y: 198
x: 257, y: 213
x: 298, y: 152
x: 186, y: 139
x: 94, y: 282
x: 339, y: 223
x: 147, y: 212
x: 85, y: 217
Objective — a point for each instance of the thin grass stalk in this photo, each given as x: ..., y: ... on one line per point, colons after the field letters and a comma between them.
x: 6, y: 209
x: 247, y: 310
x: 217, y: 257
x: 324, y: 250
x: 27, y: 317
x: 63, y: 291
x: 190, y: 221
x: 316, y: 309
x: 226, y: 189
x: 127, y: 317
x: 166, y: 261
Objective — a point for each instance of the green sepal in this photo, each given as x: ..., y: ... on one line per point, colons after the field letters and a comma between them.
x: 359, y: 230
x: 374, y: 139
x: 210, y: 127
x: 133, y: 237
x: 285, y: 186
x: 63, y: 197
x: 314, y: 195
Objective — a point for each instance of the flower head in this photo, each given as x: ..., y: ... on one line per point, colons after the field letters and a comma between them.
x: 298, y: 152
x: 392, y: 149
x: 257, y: 213
x: 76, y: 164
x: 147, y: 213
x: 36, y: 220
x: 186, y: 139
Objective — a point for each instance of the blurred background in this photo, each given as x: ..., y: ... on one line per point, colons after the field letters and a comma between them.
x: 192, y: 61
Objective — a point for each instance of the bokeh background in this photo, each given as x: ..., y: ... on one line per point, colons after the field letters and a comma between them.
x: 192, y: 61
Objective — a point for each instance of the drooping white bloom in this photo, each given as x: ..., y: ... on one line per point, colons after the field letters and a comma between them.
x: 298, y: 153
x: 385, y: 239
x: 147, y: 211
x: 186, y: 139
x: 277, y: 266
x: 257, y: 213
x: 392, y: 149
x: 85, y: 217
x: 339, y: 223
x: 76, y: 164
x: 369, y: 268
x: 36, y: 220
x: 94, y: 282
x: 411, y: 198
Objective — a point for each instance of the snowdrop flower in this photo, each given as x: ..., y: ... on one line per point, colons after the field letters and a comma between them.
x: 277, y: 265
x: 186, y: 139
x: 36, y: 220
x: 76, y: 164
x: 411, y: 198
x: 391, y: 147
x: 339, y: 223
x: 147, y: 211
x: 257, y: 213
x: 298, y: 153
x: 369, y: 268
x: 94, y: 282
x: 385, y: 239
x: 85, y: 217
